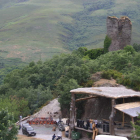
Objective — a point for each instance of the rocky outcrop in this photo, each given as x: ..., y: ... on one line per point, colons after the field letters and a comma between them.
x: 100, y: 108
x: 119, y: 30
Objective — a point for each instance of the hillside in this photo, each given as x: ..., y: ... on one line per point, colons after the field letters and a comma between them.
x: 26, y: 90
x: 38, y: 29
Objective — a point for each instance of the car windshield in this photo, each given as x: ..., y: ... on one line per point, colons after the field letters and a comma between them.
x: 29, y: 128
x: 26, y: 124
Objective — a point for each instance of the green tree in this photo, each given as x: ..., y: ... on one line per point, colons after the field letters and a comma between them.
x: 107, y: 43
x: 94, y: 53
x: 136, y: 47
x: 80, y: 51
x: 8, y: 130
x: 64, y: 87
x: 137, y: 59
x: 130, y: 49
x: 15, y: 105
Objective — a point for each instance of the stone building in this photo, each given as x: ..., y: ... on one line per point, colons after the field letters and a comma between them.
x: 119, y: 30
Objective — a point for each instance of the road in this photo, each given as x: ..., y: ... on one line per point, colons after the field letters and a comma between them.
x: 44, y: 133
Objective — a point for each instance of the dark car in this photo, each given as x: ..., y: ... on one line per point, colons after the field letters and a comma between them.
x: 61, y: 126
x: 28, y: 130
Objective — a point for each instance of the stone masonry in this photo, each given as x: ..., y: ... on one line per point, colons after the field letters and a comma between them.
x: 119, y: 30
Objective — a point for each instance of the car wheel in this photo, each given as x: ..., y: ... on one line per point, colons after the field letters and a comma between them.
x: 28, y: 135
x: 34, y: 134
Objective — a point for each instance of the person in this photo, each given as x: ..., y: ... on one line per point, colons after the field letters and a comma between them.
x: 67, y: 121
x: 19, y: 126
x: 90, y: 123
x: 51, y: 118
x: 96, y: 122
x: 95, y: 131
x: 20, y: 117
x: 20, y: 120
x: 54, y: 128
x: 53, y: 137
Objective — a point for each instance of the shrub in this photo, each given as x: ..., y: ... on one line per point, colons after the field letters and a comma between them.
x: 111, y: 74
x: 94, y: 53
x: 130, y: 49
x: 136, y: 47
x: 125, y: 82
x: 8, y: 129
x: 136, y: 133
x: 89, y: 83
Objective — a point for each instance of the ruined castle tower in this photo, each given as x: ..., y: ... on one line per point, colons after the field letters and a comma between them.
x: 119, y: 30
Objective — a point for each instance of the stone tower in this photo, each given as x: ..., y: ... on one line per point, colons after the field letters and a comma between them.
x: 119, y: 30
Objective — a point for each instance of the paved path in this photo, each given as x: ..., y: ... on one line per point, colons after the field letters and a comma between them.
x: 44, y: 133
x: 53, y: 109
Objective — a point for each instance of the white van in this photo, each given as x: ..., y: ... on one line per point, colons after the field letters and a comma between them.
x: 109, y: 137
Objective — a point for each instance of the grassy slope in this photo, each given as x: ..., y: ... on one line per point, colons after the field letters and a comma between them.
x: 42, y: 28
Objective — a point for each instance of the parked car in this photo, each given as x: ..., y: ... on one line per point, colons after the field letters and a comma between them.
x: 28, y: 130
x: 61, y: 126
x: 109, y: 137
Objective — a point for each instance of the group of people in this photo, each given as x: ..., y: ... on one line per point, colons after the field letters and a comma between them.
x: 88, y: 124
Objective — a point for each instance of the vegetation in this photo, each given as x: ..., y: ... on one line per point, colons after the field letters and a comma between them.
x: 7, y: 65
x: 111, y: 74
x: 129, y: 49
x: 39, y: 82
x: 40, y: 29
x: 136, y: 133
x: 94, y: 53
x: 136, y: 47
x: 15, y: 105
x: 8, y: 130
x: 107, y: 43
x: 31, y: 31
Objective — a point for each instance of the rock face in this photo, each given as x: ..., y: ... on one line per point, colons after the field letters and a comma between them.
x: 100, y: 108
x: 119, y: 30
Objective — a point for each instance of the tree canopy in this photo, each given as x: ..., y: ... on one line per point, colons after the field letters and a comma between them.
x: 8, y: 130
x: 37, y: 83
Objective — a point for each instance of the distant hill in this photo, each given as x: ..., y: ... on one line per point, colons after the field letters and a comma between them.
x: 38, y: 29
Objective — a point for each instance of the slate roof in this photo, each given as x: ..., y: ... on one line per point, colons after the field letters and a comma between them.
x: 131, y: 109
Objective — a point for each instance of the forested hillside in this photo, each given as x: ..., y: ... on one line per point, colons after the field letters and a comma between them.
x: 25, y: 90
x: 38, y: 29
x: 64, y: 32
